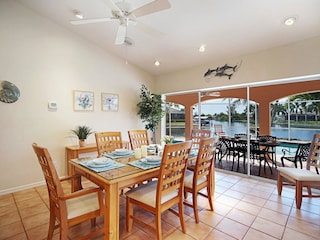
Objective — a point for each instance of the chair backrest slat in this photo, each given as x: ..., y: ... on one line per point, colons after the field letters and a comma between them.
x: 138, y: 138
x: 197, y: 135
x: 205, y: 159
x: 107, y: 142
x: 314, y: 153
x: 172, y: 169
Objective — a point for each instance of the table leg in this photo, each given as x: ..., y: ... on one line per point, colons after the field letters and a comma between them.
x: 111, y: 212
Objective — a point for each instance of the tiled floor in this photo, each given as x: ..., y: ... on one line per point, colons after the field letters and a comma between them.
x: 245, y: 208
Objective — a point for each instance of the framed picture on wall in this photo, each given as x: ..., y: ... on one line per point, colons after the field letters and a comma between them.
x: 83, y: 100
x: 109, y: 102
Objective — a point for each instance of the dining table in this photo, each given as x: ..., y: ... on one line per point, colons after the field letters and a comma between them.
x: 125, y: 171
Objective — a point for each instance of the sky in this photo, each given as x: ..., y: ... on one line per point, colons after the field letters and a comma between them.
x: 216, y: 106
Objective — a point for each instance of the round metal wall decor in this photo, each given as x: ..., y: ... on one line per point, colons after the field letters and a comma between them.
x: 9, y: 93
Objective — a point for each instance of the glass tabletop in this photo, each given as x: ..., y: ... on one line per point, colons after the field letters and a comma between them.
x: 113, y: 174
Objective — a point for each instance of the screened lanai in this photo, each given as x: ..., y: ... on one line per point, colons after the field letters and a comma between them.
x: 263, y: 94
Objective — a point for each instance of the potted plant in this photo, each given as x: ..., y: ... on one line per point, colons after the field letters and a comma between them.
x: 82, y: 132
x: 150, y: 109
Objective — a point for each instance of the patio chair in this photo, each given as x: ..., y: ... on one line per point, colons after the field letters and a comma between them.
x: 300, y: 155
x: 302, y: 177
x: 202, y: 177
x: 68, y: 209
x: 270, y: 149
x: 218, y: 130
x: 163, y: 194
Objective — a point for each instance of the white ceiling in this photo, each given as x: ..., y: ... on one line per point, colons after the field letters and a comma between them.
x: 228, y: 28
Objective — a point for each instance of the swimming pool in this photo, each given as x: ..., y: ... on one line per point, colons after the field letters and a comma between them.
x: 291, y: 147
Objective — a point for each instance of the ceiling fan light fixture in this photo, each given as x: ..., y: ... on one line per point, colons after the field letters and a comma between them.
x: 157, y: 63
x: 78, y: 14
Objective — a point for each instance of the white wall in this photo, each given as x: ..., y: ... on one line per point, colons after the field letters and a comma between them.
x: 294, y: 60
x: 47, y: 62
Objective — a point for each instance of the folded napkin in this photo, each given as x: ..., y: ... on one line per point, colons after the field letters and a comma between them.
x: 101, y: 164
x: 143, y: 164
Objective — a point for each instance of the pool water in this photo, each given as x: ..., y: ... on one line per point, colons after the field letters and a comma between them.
x: 291, y: 147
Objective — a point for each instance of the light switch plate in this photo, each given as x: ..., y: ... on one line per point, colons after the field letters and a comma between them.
x: 52, y: 105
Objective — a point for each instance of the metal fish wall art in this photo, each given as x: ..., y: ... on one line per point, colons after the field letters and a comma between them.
x: 224, y: 71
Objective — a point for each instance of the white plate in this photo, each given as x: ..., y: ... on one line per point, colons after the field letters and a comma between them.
x: 128, y: 152
x: 121, y: 150
x: 101, y: 161
x: 153, y: 158
x: 97, y: 163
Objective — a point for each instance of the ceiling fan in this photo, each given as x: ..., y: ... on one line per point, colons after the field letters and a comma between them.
x: 123, y: 12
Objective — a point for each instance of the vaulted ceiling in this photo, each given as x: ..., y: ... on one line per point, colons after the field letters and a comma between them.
x: 227, y: 28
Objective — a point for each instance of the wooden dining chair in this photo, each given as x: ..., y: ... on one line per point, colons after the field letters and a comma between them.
x: 72, y: 208
x: 138, y: 138
x: 107, y: 142
x: 197, y: 134
x: 302, y: 177
x: 202, y: 176
x: 164, y: 193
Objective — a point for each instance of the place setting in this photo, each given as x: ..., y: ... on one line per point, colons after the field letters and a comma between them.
x: 101, y: 164
x: 147, y: 162
x: 119, y: 153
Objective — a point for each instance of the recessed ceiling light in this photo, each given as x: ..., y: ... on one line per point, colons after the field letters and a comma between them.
x: 202, y: 48
x: 290, y: 21
x: 157, y: 63
x: 78, y: 14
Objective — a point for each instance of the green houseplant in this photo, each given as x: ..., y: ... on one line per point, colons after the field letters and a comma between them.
x: 150, y: 109
x: 82, y: 132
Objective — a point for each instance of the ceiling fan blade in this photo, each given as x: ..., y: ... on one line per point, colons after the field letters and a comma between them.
x: 155, y: 6
x: 92, y: 20
x: 113, y: 7
x: 121, y: 34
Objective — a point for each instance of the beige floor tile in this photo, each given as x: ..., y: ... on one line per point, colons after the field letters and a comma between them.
x: 8, y: 209
x: 254, y: 200
x: 10, y: 230
x: 234, y: 194
x: 226, y: 200
x: 244, y: 208
x: 25, y: 195
x: 268, y: 227
x: 35, y: 220
x: 210, y: 218
x: 232, y: 228
x: 178, y: 234
x: 253, y: 234
x: 241, y: 217
x: 290, y: 234
x: 9, y: 218
x: 278, y: 207
x: 217, y: 235
x: 248, y: 207
x: 273, y: 216
x: 221, y: 209
x: 304, y: 227
x: 197, y: 231
x: 6, y: 199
